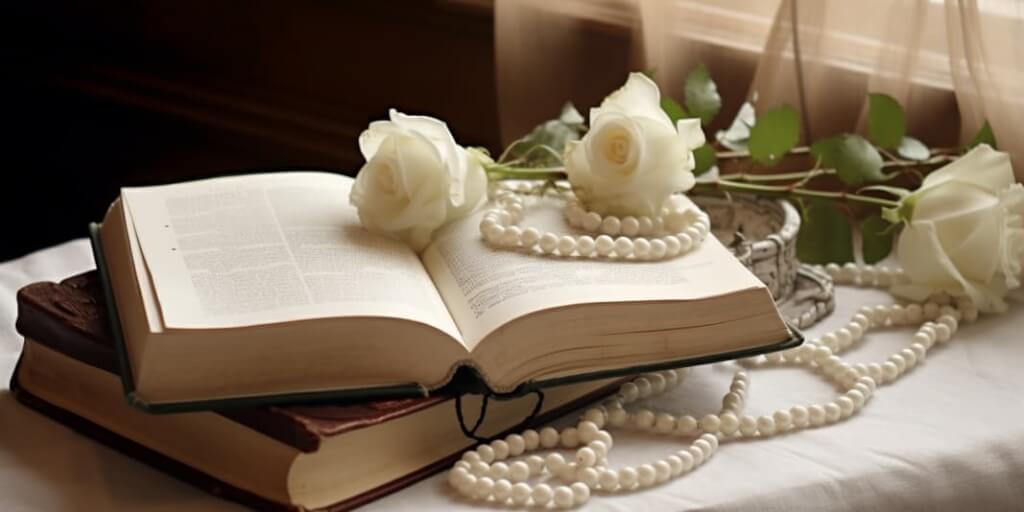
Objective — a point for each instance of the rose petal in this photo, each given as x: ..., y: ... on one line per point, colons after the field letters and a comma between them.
x: 981, y: 166
x: 638, y: 97
x: 691, y: 133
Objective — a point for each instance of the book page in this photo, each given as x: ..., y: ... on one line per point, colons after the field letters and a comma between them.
x: 270, y: 248
x: 484, y: 287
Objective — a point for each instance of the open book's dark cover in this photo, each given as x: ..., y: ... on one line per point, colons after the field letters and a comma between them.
x: 70, y: 317
x: 466, y: 379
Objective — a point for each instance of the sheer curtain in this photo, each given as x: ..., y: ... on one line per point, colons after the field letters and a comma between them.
x: 952, y: 64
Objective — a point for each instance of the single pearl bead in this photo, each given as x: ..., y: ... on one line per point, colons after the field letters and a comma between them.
x: 686, y: 425
x: 816, y: 415
x: 949, y: 321
x: 542, y: 494
x: 585, y: 245
x: 549, y: 437
x: 493, y: 233
x: 875, y: 371
x: 627, y: 477
x: 686, y: 458
x: 662, y: 471
x: 630, y: 226
x: 555, y: 462
x: 909, y: 356
x: 832, y: 412
x: 799, y: 416
x: 617, y: 417
x: 604, y: 245
x: 623, y: 247
x: 611, y: 225
x: 942, y: 332
x: 512, y: 235
x: 498, y: 470
x: 644, y: 418
x: 846, y: 405
x: 890, y: 371
x: 705, y: 447
x: 536, y: 463
x: 645, y: 475
x: 562, y: 496
x: 844, y: 337
x: 646, y: 226
x: 729, y: 423
x: 857, y: 397
x: 548, y: 242
x: 566, y: 245
x: 580, y: 493
x: 765, y: 425
x: 924, y: 339
x: 589, y: 476
x: 685, y: 242
x: 697, y: 453
x: 599, y: 448
x: 664, y: 423
x: 486, y: 453
x: 657, y: 249
x: 783, y: 419
x: 710, y: 423
x: 672, y: 245
x: 695, y: 235
x: 531, y: 439
x: 748, y: 425
x: 520, y: 493
x: 518, y: 471
x: 502, y: 490
x: 644, y: 385
x: 919, y: 351
x: 586, y: 457
x: 570, y: 438
x: 516, y: 444
x: 483, y: 487
x: 501, y: 449
x: 592, y: 221
x: 608, y: 480
x: 642, y: 248
x: 471, y: 456
x: 675, y: 465
x: 856, y: 331
x: 605, y: 438
x: 590, y: 425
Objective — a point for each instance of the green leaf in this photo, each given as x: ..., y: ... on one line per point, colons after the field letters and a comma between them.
x: 984, y: 136
x: 825, y: 236
x: 705, y: 158
x: 702, y: 99
x: 773, y: 134
x: 852, y: 156
x: 913, y: 149
x: 543, y: 146
x: 673, y: 109
x: 877, y: 234
x: 886, y: 121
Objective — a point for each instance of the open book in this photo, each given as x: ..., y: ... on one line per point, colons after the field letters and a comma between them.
x: 266, y: 285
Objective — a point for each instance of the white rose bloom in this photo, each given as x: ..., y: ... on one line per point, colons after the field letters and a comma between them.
x: 965, y: 232
x: 416, y: 178
x: 632, y: 158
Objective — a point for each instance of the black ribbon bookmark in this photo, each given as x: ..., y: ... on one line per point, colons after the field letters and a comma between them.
x: 471, y: 432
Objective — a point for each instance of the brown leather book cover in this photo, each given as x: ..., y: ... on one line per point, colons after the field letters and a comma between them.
x: 71, y: 317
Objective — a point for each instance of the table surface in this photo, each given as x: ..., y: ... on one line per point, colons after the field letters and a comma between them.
x: 948, y: 436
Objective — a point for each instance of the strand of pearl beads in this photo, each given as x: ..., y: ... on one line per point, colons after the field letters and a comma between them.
x: 678, y: 230
x: 481, y: 473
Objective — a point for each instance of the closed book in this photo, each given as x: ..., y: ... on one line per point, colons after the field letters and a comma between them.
x: 208, y: 277
x: 325, y: 457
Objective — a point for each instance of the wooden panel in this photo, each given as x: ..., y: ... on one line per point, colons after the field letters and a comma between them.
x: 124, y: 92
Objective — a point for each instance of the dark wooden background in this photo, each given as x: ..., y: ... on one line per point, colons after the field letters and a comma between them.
x: 111, y: 93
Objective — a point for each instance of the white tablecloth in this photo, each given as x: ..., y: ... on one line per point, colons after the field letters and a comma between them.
x: 948, y: 436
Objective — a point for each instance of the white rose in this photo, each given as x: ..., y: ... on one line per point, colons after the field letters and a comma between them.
x: 416, y: 178
x: 965, y: 231
x: 632, y: 158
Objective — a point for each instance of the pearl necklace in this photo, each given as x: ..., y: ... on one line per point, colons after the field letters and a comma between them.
x: 676, y: 231
x: 482, y: 473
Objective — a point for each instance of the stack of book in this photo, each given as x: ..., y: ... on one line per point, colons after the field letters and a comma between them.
x: 246, y: 335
